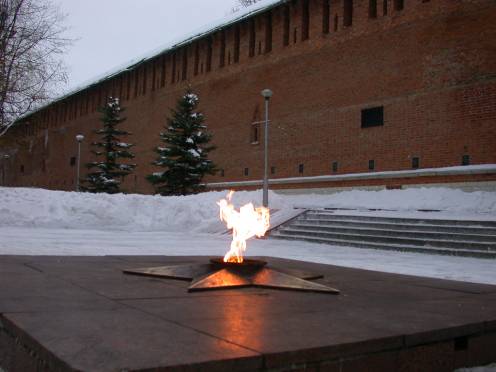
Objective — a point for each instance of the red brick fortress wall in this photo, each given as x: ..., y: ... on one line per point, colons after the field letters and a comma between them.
x: 431, y: 65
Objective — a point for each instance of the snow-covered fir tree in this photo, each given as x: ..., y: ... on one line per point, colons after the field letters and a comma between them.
x: 184, y: 153
x: 107, y: 174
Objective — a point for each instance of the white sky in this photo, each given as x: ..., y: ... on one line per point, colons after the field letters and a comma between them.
x: 112, y: 32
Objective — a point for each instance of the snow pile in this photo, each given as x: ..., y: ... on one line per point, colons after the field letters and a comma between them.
x: 444, y: 199
x: 26, y: 207
x: 23, y: 207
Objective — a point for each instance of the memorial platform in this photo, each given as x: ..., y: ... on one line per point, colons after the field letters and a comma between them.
x: 83, y: 313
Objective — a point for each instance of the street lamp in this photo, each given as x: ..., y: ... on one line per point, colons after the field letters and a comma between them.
x: 266, y: 93
x: 5, y: 158
x: 79, y: 139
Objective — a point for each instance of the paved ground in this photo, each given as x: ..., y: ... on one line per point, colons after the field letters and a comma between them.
x: 82, y: 313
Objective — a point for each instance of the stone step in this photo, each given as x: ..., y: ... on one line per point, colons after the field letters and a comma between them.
x: 436, y: 222
x: 382, y: 246
x: 371, y: 223
x: 414, y: 232
x: 384, y: 239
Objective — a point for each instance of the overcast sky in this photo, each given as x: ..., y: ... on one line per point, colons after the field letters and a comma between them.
x: 109, y: 33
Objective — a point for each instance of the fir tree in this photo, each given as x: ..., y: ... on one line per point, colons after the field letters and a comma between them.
x: 184, y: 153
x: 107, y: 175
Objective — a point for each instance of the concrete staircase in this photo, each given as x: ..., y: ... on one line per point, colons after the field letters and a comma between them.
x: 452, y: 237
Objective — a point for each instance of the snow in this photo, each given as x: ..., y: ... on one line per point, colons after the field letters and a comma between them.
x: 191, y: 98
x: 72, y: 242
x: 452, y: 202
x: 488, y: 368
x: 30, y: 207
x: 42, y: 222
x: 124, y: 145
x: 195, y: 153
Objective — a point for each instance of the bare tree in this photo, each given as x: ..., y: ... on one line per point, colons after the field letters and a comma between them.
x: 243, y: 4
x: 31, y: 45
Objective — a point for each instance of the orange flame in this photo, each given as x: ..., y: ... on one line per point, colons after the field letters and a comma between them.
x: 246, y: 223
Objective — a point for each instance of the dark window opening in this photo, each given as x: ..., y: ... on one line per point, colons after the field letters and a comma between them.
x: 184, y: 74
x: 373, y: 117
x: 268, y: 32
x: 255, y: 133
x: 334, y: 166
x: 347, y: 13
x: 326, y: 17
x: 285, y: 37
x: 164, y: 69
x: 145, y: 78
x: 461, y: 343
x: 295, y: 35
x: 136, y: 84
x: 252, y: 41
x: 209, y: 55
x: 222, y: 173
x: 229, y: 57
x: 301, y: 168
x: 371, y: 164
x: 272, y: 170
x: 260, y: 47
x: 305, y: 20
x: 22, y: 168
x: 247, y: 171
x: 385, y: 7
x: 173, y: 72
x: 372, y: 8
x: 128, y: 86
x: 197, y: 58
x: 222, y: 57
x: 466, y: 160
x: 154, y: 75
x: 336, y: 22
x: 75, y: 107
x: 121, y: 89
x: 415, y: 162
x: 72, y: 162
x: 201, y: 68
x: 399, y: 5
x: 236, y: 43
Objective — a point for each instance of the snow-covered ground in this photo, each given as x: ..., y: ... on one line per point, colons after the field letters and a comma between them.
x: 41, y: 222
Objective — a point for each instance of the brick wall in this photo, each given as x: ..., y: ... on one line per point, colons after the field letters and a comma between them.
x: 431, y: 65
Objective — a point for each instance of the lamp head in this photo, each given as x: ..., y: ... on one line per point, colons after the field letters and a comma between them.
x: 267, y: 93
x: 79, y: 138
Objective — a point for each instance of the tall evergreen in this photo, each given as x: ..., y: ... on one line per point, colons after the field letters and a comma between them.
x: 106, y: 175
x: 185, y: 149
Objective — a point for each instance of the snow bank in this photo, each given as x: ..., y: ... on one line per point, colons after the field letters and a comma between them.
x: 57, y: 209
x: 444, y: 199
x: 29, y: 207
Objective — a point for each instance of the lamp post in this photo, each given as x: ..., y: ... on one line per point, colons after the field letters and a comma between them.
x: 5, y: 158
x: 266, y: 93
x: 79, y: 139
